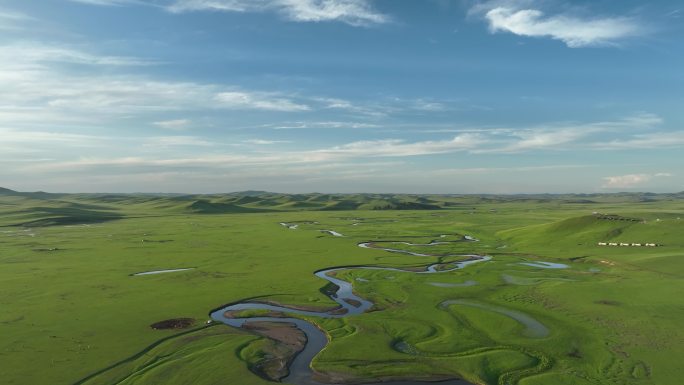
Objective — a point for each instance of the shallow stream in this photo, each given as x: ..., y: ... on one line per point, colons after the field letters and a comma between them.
x: 350, y: 304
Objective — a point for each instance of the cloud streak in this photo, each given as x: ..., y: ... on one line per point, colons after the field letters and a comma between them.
x: 38, y: 55
x: 352, y: 12
x: 107, y: 3
x: 194, y: 156
x: 399, y: 148
x: 321, y: 125
x: 631, y: 180
x: 572, y: 30
x: 44, y: 83
x: 672, y: 139
x: 258, y: 101
x: 175, y: 124
x: 264, y: 141
x: 571, y: 136
x: 12, y: 20
x: 473, y: 141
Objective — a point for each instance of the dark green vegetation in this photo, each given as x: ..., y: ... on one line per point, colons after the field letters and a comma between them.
x: 72, y: 313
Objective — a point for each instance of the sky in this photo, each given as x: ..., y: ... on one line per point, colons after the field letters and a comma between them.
x: 397, y: 96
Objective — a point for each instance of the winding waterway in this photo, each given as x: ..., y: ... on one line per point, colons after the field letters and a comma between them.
x: 350, y: 304
x: 546, y: 265
x: 162, y: 271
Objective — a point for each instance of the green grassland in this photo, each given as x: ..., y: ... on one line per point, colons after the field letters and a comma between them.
x: 71, y: 313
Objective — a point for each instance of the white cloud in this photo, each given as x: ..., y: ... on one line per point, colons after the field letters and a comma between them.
x: 37, y: 55
x: 351, y: 151
x: 541, y: 139
x: 491, y: 170
x: 431, y: 106
x: 26, y: 138
x: 258, y: 101
x: 625, y: 181
x: 220, y: 5
x: 676, y: 14
x: 35, y: 144
x: 353, y: 12
x: 94, y: 97
x: 320, y: 125
x: 645, y: 141
x: 176, y: 124
x: 380, y: 107
x: 39, y: 85
x: 12, y: 20
x: 132, y: 162
x: 574, y: 31
x: 264, y: 141
x: 396, y: 147
x: 178, y: 140
x: 567, y: 136
x: 346, y: 105
x: 642, y: 119
x: 338, y: 103
x: 631, y: 180
x: 107, y: 2
x: 71, y: 154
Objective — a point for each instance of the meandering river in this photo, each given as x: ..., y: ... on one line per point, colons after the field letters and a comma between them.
x: 349, y: 303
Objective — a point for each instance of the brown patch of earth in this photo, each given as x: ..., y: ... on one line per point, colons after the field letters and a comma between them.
x: 345, y: 378
x: 248, y: 314
x: 338, y: 311
x: 278, y: 314
x: 286, y: 341
x: 352, y: 302
x: 300, y: 307
x: 175, y: 323
x: 413, y: 269
x: 608, y: 302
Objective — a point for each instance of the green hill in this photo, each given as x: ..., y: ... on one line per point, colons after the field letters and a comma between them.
x: 206, y: 207
x: 41, y: 208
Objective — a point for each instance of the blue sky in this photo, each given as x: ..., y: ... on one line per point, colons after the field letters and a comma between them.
x: 342, y: 96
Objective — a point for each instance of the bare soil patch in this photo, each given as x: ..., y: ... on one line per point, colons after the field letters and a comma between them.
x: 287, y: 341
x: 174, y: 323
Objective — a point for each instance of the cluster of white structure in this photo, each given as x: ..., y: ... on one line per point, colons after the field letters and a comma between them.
x: 627, y: 244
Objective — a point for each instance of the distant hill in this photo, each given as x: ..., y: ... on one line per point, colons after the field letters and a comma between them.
x: 202, y: 206
x: 36, y: 195
x: 6, y: 191
x: 41, y: 208
x: 251, y: 193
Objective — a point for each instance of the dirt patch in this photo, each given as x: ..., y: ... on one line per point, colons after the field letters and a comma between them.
x: 288, y: 334
x: 338, y: 311
x: 248, y: 313
x: 287, y: 340
x: 159, y: 241
x: 413, y: 269
x: 300, y: 307
x: 345, y: 378
x: 352, y: 302
x: 608, y: 302
x: 175, y: 323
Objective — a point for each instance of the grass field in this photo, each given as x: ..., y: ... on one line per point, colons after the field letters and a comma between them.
x: 72, y: 313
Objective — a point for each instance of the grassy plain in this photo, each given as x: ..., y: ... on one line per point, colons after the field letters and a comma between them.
x: 73, y: 314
